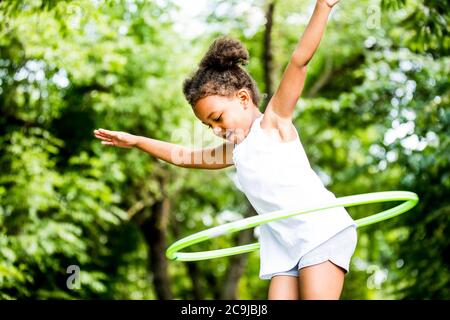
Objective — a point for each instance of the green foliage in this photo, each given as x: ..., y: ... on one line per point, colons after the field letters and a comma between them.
x: 374, y: 116
x: 61, y: 198
x: 425, y: 24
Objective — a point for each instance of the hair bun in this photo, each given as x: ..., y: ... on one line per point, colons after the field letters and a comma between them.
x: 225, y: 53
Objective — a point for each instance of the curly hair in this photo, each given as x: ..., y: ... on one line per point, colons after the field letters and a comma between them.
x: 220, y: 73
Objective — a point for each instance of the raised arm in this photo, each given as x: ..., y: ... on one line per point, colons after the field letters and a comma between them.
x: 283, y: 102
x: 313, y: 33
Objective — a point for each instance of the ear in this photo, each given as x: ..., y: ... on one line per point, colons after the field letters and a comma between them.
x: 244, y: 96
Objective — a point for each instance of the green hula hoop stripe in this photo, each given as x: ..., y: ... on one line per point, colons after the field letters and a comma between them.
x: 410, y: 200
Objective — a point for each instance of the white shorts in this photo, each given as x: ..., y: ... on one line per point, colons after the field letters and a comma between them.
x: 338, y: 249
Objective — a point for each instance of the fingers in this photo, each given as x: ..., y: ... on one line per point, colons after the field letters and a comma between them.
x: 106, y: 138
x: 98, y: 132
x: 106, y: 133
x: 97, y: 135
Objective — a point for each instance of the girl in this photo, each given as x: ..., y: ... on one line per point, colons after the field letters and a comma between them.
x: 306, y: 256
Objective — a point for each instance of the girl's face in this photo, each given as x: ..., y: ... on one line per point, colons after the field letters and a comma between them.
x: 229, y: 117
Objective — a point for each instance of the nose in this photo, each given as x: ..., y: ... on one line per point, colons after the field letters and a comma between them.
x: 218, y: 131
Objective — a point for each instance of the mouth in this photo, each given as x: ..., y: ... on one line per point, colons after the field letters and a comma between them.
x: 227, y: 135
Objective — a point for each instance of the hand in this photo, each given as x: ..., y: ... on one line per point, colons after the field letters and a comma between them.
x: 329, y: 3
x: 116, y: 138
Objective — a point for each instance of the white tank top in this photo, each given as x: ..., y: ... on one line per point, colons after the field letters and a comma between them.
x: 277, y: 176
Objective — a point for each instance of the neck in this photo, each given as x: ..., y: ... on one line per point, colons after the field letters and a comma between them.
x: 256, y: 113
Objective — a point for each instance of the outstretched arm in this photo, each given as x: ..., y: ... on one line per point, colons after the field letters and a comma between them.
x: 217, y: 157
x: 283, y: 102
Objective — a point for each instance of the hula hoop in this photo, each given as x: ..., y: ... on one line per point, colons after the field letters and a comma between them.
x: 173, y: 253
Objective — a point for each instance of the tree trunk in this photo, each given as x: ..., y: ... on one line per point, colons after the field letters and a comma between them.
x: 325, y: 77
x: 267, y: 58
x: 194, y: 275
x: 154, y: 228
x: 192, y: 267
x: 237, y: 264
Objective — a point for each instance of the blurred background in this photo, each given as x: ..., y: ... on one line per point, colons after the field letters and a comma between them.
x: 80, y: 220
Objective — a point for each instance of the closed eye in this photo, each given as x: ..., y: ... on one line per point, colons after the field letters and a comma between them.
x: 208, y: 125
